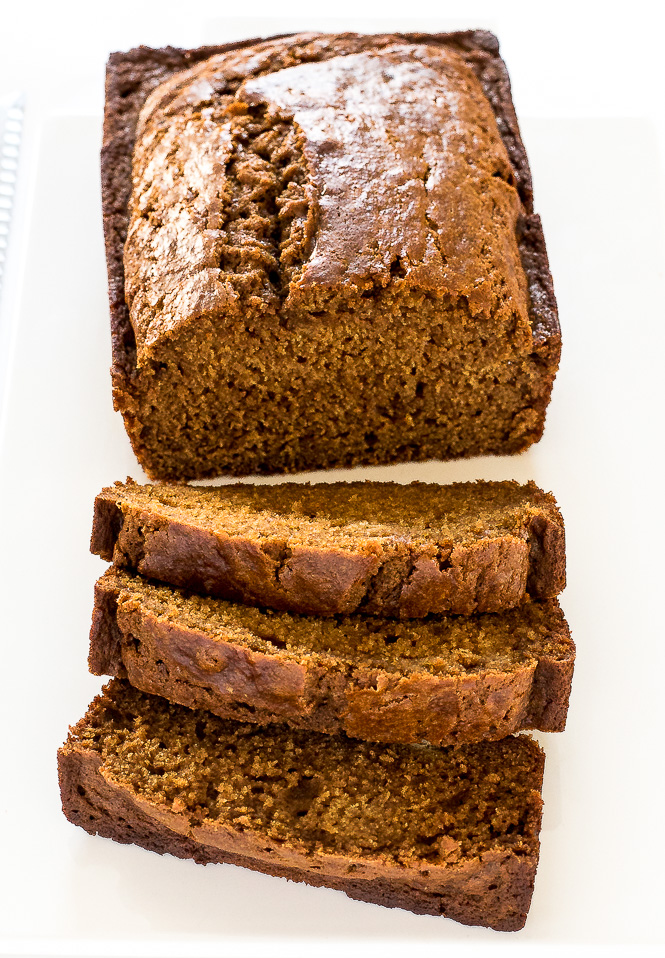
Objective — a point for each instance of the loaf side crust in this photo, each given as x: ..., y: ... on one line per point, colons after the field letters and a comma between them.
x: 320, y: 691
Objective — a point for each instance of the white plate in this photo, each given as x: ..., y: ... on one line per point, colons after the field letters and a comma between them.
x: 600, y: 875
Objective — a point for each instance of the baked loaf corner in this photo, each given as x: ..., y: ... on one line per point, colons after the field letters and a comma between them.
x: 322, y: 252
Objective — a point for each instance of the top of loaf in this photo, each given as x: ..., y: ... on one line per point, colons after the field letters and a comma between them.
x: 304, y: 174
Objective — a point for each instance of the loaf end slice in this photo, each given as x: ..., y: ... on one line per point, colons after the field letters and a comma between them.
x: 442, y: 832
x: 379, y: 548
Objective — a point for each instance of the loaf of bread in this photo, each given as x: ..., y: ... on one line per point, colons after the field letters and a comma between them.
x: 379, y: 548
x: 322, y: 252
x: 444, y: 832
x: 445, y: 680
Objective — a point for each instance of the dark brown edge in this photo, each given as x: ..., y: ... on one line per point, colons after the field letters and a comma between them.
x: 105, y: 656
x: 546, y: 712
x: 547, y: 556
x: 550, y: 694
x: 132, y: 75
x: 106, y: 525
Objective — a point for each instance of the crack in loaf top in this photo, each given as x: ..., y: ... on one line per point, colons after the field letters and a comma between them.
x: 260, y: 184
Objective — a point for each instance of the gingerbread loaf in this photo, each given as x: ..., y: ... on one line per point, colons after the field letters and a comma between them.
x: 437, y: 831
x: 445, y: 680
x: 322, y: 252
x: 378, y: 548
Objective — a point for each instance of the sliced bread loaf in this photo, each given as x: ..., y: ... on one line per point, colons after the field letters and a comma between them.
x: 380, y: 548
x: 443, y: 832
x: 444, y: 679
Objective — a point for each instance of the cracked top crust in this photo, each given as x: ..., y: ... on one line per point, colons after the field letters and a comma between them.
x: 263, y: 181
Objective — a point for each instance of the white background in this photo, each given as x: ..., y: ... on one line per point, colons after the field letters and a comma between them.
x: 587, y: 84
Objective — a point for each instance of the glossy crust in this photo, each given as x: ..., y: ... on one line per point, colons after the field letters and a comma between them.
x: 493, y: 890
x: 325, y: 693
x: 431, y: 208
x: 402, y: 579
x: 132, y: 76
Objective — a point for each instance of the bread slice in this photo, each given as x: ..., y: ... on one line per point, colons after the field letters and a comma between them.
x: 379, y: 548
x: 292, y: 288
x: 442, y: 832
x: 444, y: 680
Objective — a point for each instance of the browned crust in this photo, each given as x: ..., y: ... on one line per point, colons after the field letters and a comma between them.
x: 487, y: 576
x: 319, y: 692
x: 131, y: 76
x: 106, y: 525
x: 495, y: 892
x: 547, y: 557
x: 106, y: 638
x: 550, y: 694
